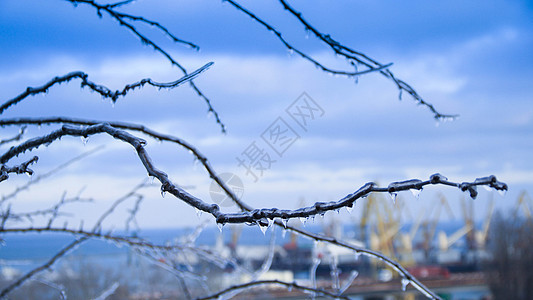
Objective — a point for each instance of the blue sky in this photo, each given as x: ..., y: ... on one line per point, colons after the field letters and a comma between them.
x: 466, y: 57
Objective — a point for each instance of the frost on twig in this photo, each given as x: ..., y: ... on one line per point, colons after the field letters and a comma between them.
x: 129, y: 22
x: 20, y: 169
x: 100, y: 89
x: 248, y: 215
x: 15, y: 138
x: 353, y: 58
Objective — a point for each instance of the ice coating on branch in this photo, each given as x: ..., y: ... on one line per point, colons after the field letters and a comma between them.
x: 393, y: 196
x: 284, y: 222
x: 349, y: 209
x: 263, y: 225
x: 405, y: 283
x: 465, y: 186
x: 436, y: 178
x: 416, y: 193
x: 348, y: 281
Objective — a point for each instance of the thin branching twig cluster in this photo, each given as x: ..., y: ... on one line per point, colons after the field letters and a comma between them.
x: 124, y: 132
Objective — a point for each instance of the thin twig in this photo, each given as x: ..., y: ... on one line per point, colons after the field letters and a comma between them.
x: 353, y: 57
x: 248, y: 215
x: 100, y: 89
x: 121, y: 19
x: 43, y: 267
x: 289, y: 285
x: 39, y: 177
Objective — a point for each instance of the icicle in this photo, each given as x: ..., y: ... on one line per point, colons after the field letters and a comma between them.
x: 357, y: 255
x: 284, y: 222
x: 393, y: 196
x: 348, y: 282
x: 334, y: 273
x: 198, y: 212
x: 303, y: 220
x: 405, y: 283
x: 195, y: 163
x: 220, y: 225
x: 163, y: 193
x: 349, y: 209
x: 270, y: 222
x: 502, y: 192
x: 416, y: 193
x: 312, y: 275
x: 84, y: 140
x: 262, y: 227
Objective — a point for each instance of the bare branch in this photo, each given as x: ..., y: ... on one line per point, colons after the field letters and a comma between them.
x: 353, y: 57
x: 60, y: 289
x: 15, y: 138
x: 43, y: 267
x: 117, y: 202
x: 110, y: 9
x: 100, y: 89
x: 290, y: 47
x: 108, y: 292
x: 121, y: 18
x: 53, y: 211
x: 20, y: 169
x: 261, y: 216
x: 289, y: 285
x: 248, y: 215
x: 39, y: 177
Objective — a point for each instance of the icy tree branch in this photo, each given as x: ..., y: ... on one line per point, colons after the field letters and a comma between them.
x: 37, y: 178
x: 248, y: 215
x: 100, y: 89
x: 354, y: 58
x: 289, y: 285
x: 15, y: 138
x: 20, y: 169
x: 43, y: 267
x: 123, y: 19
